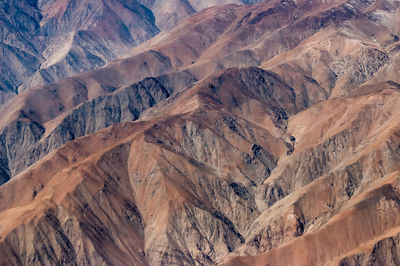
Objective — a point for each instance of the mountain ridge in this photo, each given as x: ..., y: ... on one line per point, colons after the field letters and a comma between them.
x: 246, y: 135
x: 50, y: 40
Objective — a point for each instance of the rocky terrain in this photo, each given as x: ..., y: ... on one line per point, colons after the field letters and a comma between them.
x: 42, y: 41
x: 168, y: 13
x: 263, y: 134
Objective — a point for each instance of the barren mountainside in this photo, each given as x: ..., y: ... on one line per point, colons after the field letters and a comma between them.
x: 42, y: 41
x: 262, y: 134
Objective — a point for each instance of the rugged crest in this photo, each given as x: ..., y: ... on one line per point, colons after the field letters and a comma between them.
x: 246, y: 135
x: 42, y: 41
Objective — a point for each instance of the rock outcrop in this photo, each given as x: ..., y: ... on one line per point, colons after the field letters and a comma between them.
x: 262, y: 134
x: 42, y: 41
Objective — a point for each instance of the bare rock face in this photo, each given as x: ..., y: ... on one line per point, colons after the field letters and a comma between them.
x: 43, y: 41
x: 26, y: 141
x: 183, y: 162
x: 384, y: 252
x: 199, y: 48
x: 169, y: 13
x: 263, y: 134
x: 20, y: 57
x: 84, y: 35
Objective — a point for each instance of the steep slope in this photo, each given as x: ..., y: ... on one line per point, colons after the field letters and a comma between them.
x: 200, y: 48
x: 169, y: 13
x: 344, y: 168
x: 165, y: 172
x: 20, y: 58
x: 195, y: 181
x: 265, y: 134
x: 84, y: 35
x: 43, y: 41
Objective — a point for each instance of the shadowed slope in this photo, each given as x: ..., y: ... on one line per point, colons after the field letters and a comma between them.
x: 231, y: 36
x: 266, y: 134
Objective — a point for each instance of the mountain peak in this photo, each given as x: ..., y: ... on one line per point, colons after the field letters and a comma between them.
x: 240, y: 134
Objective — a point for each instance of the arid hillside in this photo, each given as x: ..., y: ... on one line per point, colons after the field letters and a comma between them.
x: 43, y: 41
x: 263, y: 134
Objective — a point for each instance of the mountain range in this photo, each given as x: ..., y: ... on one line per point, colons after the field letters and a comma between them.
x: 42, y: 41
x: 200, y: 132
